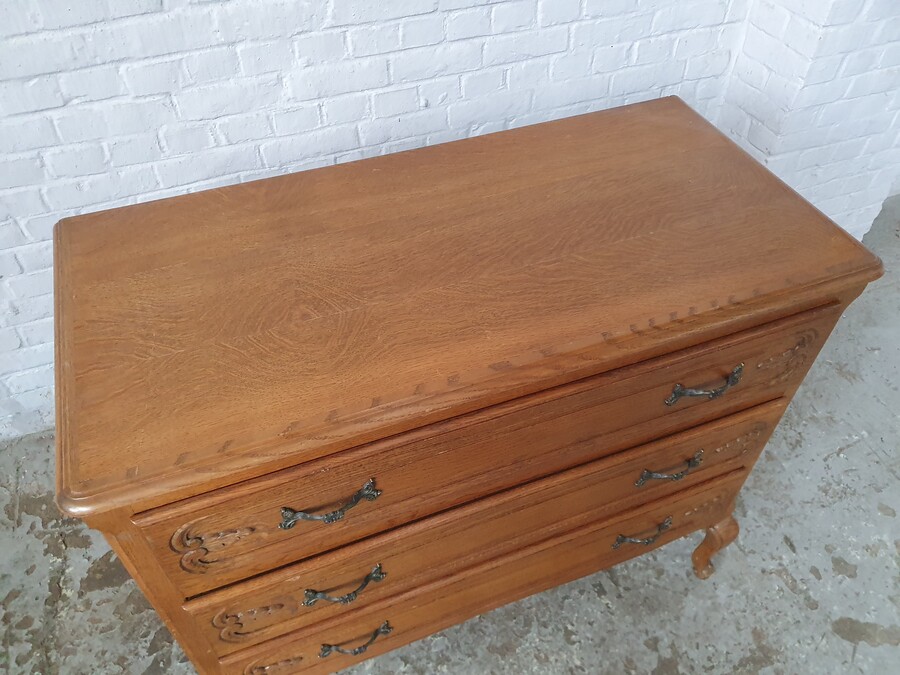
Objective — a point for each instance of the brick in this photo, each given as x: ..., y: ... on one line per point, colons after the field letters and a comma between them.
x: 266, y: 57
x: 617, y: 30
x: 122, y: 8
x: 378, y: 39
x: 21, y: 135
x: 9, y: 264
x: 23, y: 96
x: 482, y: 83
x: 513, y: 16
x: 387, y: 129
x: 344, y: 109
x: 421, y: 31
x: 92, y: 84
x: 296, y: 121
x: 469, y: 23
x: 240, y: 95
x: 265, y: 20
x: 72, y: 161
x: 553, y: 12
x: 493, y: 108
x: 206, y: 165
x: 507, y: 48
x: 10, y: 235
x: 9, y: 340
x: 65, y: 13
x: 136, y: 149
x: 338, y: 78
x: 19, y: 18
x: 294, y: 149
x: 40, y: 53
x: 645, y: 78
x: 707, y: 66
x: 212, y: 65
x: 160, y: 77
x: 39, y: 228
x: 20, y: 204
x: 611, y: 58
x: 18, y: 313
x: 105, y: 189
x: 362, y: 11
x: 35, y: 257
x: 572, y: 65
x: 26, y: 358
x: 320, y: 48
x: 528, y: 74
x: 31, y: 284
x: 21, y: 172
x: 242, y: 128
x: 438, y: 92
x: 571, y: 92
x: 182, y: 140
x: 655, y: 49
x: 397, y: 102
x: 608, y: 8
x: 427, y: 63
x: 29, y: 380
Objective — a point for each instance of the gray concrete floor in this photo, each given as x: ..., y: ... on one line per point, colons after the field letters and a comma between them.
x: 811, y: 585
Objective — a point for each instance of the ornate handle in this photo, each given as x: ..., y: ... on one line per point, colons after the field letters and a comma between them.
x: 662, y: 527
x: 383, y: 629
x: 289, y: 516
x: 692, y: 463
x: 312, y: 597
x: 680, y: 390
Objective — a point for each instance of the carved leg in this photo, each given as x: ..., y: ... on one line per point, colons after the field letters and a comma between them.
x: 717, y: 537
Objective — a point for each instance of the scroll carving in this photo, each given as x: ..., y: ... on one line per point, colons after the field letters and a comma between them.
x: 273, y: 668
x: 200, y: 551
x: 782, y: 367
x: 236, y: 626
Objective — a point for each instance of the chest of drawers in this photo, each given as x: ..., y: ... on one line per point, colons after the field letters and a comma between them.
x: 323, y: 415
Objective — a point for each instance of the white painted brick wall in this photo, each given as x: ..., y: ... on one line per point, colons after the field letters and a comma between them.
x: 815, y: 95
x: 111, y: 102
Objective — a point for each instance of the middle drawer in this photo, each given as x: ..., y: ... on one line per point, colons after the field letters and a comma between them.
x: 357, y: 575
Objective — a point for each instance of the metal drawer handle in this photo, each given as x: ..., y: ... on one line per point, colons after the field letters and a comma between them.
x: 383, y: 629
x: 662, y: 527
x: 312, y: 597
x: 692, y: 463
x: 289, y: 516
x: 680, y: 390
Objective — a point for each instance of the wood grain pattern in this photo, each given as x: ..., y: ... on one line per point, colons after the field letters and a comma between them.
x: 474, y: 591
x: 220, y: 336
x: 239, y: 616
x: 234, y: 533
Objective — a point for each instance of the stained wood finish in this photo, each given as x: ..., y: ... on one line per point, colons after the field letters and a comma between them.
x: 219, y: 336
x: 205, y: 542
x: 453, y: 599
x: 489, y: 329
x: 433, y: 548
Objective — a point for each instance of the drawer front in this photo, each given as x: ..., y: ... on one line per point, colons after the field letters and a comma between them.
x: 236, y: 532
x: 456, y: 598
x: 387, y: 565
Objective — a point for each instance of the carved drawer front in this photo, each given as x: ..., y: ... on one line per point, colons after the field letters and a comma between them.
x: 453, y: 598
x: 345, y: 581
x: 236, y: 532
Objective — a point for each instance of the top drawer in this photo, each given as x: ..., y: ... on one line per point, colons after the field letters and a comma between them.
x: 242, y: 530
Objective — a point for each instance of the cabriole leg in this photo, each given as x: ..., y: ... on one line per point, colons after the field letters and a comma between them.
x: 717, y: 537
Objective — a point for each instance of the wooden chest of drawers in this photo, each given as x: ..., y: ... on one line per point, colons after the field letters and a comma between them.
x: 323, y: 415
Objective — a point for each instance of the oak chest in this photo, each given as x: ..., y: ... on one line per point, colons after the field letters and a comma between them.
x: 323, y: 415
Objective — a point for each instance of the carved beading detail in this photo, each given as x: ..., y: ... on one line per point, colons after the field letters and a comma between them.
x: 199, y: 551
x: 790, y: 360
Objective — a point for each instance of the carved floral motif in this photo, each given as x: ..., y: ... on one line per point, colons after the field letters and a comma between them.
x: 273, y: 668
x: 237, y: 625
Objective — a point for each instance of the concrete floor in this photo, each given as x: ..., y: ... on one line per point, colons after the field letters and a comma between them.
x: 811, y: 585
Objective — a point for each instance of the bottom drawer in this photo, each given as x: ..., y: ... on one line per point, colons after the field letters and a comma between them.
x: 411, y: 616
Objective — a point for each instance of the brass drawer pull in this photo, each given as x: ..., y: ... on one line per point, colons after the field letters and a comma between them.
x: 680, y: 390
x: 662, y: 527
x: 692, y: 463
x: 289, y: 516
x: 312, y: 596
x: 383, y: 629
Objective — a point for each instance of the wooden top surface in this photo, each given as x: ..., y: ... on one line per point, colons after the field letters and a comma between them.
x: 220, y: 335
